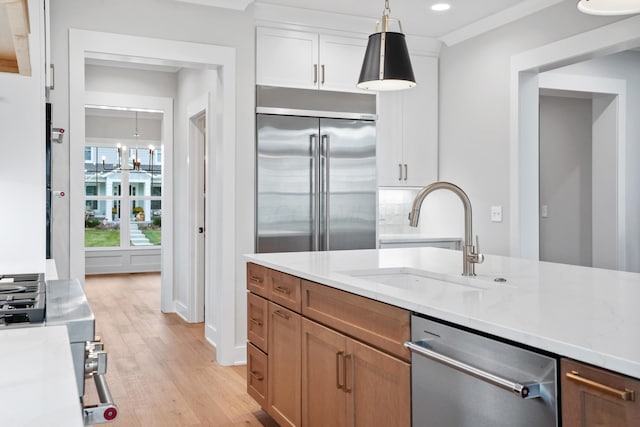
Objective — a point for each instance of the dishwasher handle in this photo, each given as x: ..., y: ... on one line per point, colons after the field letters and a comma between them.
x: 525, y: 391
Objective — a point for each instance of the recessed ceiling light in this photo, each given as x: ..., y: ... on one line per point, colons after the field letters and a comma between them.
x: 440, y: 7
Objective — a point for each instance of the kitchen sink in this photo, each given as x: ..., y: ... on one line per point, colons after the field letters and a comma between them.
x: 411, y: 278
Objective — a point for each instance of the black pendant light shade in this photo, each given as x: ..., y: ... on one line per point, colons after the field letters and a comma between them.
x: 386, y: 64
x: 388, y: 67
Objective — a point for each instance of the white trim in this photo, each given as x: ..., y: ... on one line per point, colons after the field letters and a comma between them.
x: 224, y: 4
x: 525, y: 67
x: 223, y: 259
x: 491, y: 22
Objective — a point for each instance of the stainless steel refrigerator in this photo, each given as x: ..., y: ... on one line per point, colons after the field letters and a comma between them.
x: 316, y: 183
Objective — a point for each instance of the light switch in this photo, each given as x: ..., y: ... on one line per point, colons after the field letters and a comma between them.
x: 544, y: 211
x: 496, y: 213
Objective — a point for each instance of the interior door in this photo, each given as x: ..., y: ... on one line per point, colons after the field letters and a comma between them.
x: 348, y: 184
x: 286, y: 183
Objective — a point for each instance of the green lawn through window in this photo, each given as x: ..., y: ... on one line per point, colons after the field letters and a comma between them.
x: 154, y: 236
x: 101, y: 238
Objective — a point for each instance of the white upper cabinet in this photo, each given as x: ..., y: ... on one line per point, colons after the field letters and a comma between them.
x: 308, y: 60
x: 407, y: 128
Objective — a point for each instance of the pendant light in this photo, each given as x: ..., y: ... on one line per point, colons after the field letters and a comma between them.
x: 609, y: 7
x: 386, y: 64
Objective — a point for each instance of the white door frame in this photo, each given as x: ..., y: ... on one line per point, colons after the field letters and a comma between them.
x: 524, y: 137
x: 222, y: 258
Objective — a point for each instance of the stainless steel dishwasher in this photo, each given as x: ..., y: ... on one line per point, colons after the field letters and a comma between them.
x: 462, y: 379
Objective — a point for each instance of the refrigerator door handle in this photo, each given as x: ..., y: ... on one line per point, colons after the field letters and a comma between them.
x: 315, y: 191
x: 324, y: 191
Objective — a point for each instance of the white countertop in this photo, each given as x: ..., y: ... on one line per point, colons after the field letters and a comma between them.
x: 588, y: 314
x: 414, y: 237
x: 38, y: 385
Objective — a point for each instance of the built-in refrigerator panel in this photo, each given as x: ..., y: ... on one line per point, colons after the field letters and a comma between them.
x: 286, y: 183
x: 316, y: 184
x: 348, y: 159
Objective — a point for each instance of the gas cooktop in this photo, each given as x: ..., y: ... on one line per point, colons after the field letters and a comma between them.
x: 22, y: 299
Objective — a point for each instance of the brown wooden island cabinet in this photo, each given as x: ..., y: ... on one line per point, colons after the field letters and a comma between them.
x: 594, y: 397
x: 320, y: 356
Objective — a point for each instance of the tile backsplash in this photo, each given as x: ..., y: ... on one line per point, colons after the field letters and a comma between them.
x: 441, y: 215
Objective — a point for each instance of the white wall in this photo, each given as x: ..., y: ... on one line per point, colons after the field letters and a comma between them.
x: 22, y: 160
x: 475, y: 111
x: 565, y: 180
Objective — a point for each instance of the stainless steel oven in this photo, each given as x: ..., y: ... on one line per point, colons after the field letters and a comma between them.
x: 27, y: 300
x: 462, y: 379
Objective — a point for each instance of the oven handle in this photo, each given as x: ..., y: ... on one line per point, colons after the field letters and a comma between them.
x: 526, y: 391
x: 106, y: 410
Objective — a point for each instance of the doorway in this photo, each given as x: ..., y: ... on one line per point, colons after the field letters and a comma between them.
x: 527, y: 77
x: 214, y: 65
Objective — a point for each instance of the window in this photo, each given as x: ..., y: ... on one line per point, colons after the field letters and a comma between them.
x: 114, y: 219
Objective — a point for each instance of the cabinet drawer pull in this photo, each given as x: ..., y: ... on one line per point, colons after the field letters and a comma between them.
x: 256, y: 375
x: 322, y: 67
x: 406, y: 172
x: 255, y: 279
x: 282, y: 290
x: 315, y: 73
x: 625, y: 394
x: 339, y: 367
x: 281, y: 314
x: 399, y: 172
x: 348, y: 367
x: 255, y: 322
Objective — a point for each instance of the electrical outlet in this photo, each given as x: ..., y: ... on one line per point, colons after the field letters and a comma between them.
x: 544, y: 211
x: 496, y: 213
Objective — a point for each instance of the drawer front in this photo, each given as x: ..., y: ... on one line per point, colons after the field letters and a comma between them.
x: 257, y: 379
x: 285, y: 290
x: 257, y: 279
x: 257, y: 321
x: 380, y: 325
x: 595, y: 397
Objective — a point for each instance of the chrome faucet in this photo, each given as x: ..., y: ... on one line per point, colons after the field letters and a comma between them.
x: 469, y: 254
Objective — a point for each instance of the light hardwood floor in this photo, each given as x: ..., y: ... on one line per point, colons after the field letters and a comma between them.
x: 161, y: 370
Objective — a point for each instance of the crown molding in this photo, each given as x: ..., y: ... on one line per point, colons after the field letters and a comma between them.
x: 496, y: 20
x: 224, y: 4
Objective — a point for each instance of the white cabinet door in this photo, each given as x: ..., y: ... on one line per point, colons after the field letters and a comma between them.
x: 420, y: 124
x: 390, y: 139
x: 408, y: 129
x: 340, y: 62
x: 286, y: 58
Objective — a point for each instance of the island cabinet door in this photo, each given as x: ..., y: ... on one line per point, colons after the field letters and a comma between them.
x: 379, y: 387
x: 284, y: 366
x: 595, y: 397
x: 324, y: 400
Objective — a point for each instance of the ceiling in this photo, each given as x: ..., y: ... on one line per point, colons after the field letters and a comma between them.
x: 416, y: 15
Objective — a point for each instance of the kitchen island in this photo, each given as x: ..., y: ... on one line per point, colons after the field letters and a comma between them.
x: 586, y: 314
x: 38, y: 386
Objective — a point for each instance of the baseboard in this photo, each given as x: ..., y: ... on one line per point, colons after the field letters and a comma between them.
x: 240, y: 355
x: 182, y: 311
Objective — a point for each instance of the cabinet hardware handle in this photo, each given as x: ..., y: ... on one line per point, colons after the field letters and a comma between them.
x: 315, y: 73
x: 339, y: 364
x: 255, y: 279
x: 406, y: 171
x: 322, y: 67
x: 626, y: 394
x: 348, y: 367
x: 399, y: 172
x: 282, y: 290
x: 281, y: 314
x: 526, y: 391
x: 256, y: 375
x: 52, y: 86
x: 255, y: 322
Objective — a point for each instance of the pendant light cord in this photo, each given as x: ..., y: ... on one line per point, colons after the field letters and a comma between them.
x: 387, y: 9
